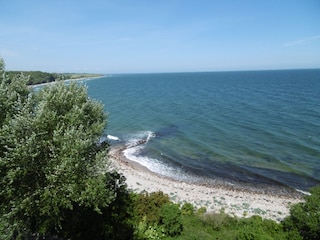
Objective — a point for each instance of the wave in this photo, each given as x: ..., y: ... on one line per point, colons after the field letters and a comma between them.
x: 134, y: 151
x: 139, y: 138
x: 114, y: 138
x: 135, y: 143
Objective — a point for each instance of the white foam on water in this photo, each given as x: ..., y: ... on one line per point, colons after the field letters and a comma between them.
x: 152, y: 164
x: 139, y: 138
x: 303, y: 192
x: 115, y: 138
x: 136, y: 143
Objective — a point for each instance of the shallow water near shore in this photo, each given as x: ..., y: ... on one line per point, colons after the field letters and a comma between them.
x: 256, y: 128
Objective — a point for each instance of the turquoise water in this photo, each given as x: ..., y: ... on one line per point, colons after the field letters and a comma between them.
x: 255, y: 127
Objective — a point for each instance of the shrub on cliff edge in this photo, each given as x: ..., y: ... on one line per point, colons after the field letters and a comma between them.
x: 305, y: 217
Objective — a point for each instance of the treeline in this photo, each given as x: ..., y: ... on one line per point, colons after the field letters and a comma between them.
x: 38, y: 77
x: 57, y: 183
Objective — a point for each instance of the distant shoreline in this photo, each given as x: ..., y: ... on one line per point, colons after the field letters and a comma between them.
x: 67, y: 80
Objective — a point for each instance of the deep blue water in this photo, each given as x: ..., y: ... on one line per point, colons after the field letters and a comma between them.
x: 250, y: 127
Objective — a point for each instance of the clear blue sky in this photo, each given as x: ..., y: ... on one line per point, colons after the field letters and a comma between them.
x: 159, y: 36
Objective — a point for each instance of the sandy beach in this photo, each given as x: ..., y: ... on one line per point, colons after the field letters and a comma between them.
x: 235, y: 202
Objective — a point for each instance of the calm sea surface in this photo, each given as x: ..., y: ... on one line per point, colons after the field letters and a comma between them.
x: 255, y: 127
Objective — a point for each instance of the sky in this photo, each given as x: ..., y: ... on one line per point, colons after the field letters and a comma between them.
x: 141, y: 36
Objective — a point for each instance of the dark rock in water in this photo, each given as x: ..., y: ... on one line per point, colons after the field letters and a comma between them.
x: 137, y: 143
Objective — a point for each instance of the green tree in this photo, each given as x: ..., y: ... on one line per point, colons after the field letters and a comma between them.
x: 305, y: 217
x: 35, y: 77
x: 13, y: 94
x: 53, y: 167
x: 2, y: 65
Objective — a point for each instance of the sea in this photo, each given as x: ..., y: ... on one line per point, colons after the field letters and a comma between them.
x: 243, y: 128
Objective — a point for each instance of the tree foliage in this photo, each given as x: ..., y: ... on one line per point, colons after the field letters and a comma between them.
x: 2, y: 65
x: 54, y: 176
x: 171, y: 219
x: 35, y: 77
x: 149, y: 205
x: 38, y: 77
x: 305, y: 217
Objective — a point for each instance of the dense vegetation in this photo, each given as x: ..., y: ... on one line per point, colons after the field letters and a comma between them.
x: 54, y: 178
x: 56, y: 183
x: 37, y: 77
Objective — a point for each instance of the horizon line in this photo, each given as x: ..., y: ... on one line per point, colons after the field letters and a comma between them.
x: 168, y: 72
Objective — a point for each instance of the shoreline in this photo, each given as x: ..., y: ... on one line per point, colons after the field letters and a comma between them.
x: 66, y: 80
x: 233, y: 200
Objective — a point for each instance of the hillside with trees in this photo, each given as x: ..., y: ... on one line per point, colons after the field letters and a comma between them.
x: 56, y: 181
x: 38, y: 77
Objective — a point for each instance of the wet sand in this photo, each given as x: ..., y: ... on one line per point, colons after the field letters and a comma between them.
x: 233, y: 200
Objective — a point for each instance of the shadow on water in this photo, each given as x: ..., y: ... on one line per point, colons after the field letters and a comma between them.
x: 255, y: 177
x: 290, y: 179
x: 239, y: 176
x: 169, y: 131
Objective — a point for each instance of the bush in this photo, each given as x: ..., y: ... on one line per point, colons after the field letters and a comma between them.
x: 202, y: 210
x: 218, y: 220
x: 187, y: 209
x: 146, y: 232
x: 171, y: 219
x: 250, y: 232
x: 264, y: 229
x: 305, y: 217
x: 149, y: 205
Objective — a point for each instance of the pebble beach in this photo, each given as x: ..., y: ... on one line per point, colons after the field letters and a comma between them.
x: 215, y: 198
